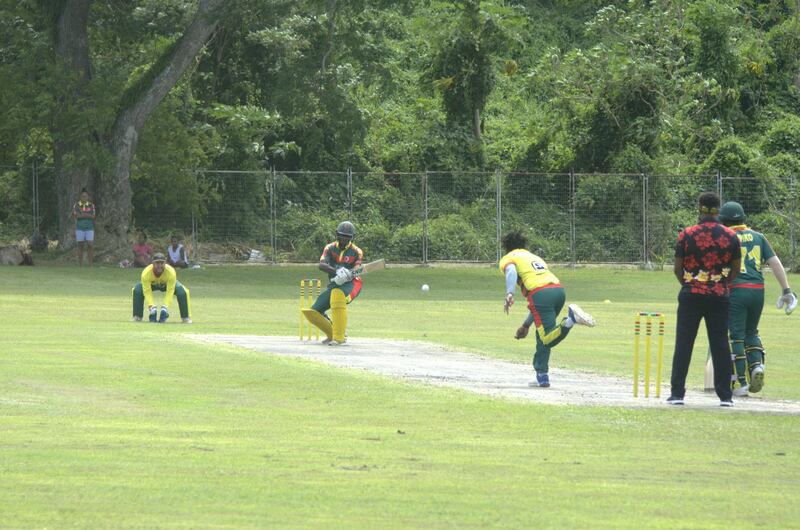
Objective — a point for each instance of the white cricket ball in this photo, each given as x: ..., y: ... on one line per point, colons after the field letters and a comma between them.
x: 425, y: 287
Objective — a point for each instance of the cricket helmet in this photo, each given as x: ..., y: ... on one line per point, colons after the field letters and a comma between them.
x: 732, y: 213
x: 346, y: 228
x: 158, y: 256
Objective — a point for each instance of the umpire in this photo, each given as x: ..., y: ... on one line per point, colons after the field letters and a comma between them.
x: 707, y: 259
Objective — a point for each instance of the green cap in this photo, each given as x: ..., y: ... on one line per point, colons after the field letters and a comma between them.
x: 732, y: 213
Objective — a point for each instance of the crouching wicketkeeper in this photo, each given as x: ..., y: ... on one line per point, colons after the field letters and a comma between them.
x: 160, y: 277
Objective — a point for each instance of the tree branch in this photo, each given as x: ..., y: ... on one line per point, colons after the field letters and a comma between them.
x: 331, y: 20
x: 166, y: 72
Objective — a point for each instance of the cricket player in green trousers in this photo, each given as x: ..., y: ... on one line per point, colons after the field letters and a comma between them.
x: 545, y: 298
x: 747, y: 300
x: 338, y: 260
x: 159, y: 276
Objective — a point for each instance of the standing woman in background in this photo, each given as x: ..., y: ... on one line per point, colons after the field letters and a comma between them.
x: 84, y: 213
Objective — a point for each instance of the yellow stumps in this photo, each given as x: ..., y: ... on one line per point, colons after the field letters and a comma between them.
x: 310, y: 289
x: 648, y: 358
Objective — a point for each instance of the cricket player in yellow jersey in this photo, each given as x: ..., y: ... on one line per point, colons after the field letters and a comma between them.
x: 160, y: 277
x: 545, y: 298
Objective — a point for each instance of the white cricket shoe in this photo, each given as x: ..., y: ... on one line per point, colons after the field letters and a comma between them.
x: 326, y: 341
x: 757, y: 378
x: 337, y: 343
x: 741, y: 391
x: 186, y: 320
x: 136, y: 319
x: 580, y: 316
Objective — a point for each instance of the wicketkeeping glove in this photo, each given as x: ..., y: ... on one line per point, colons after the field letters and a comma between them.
x: 164, y: 314
x: 153, y: 313
x: 788, y: 299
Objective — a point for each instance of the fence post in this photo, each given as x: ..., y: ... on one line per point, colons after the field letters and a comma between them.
x: 793, y: 220
x: 498, y: 177
x: 425, y: 218
x: 572, y: 221
x: 350, y: 193
x: 193, y: 257
x: 719, y: 185
x: 645, y: 245
x: 35, y: 197
x: 193, y: 237
x: 273, y: 238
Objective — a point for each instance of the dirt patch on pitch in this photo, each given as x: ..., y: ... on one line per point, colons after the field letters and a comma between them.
x: 435, y: 365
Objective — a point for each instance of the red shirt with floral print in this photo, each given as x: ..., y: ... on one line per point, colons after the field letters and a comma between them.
x: 707, y: 250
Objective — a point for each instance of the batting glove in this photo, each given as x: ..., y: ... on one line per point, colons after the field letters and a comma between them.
x: 153, y: 313
x: 341, y: 276
x: 164, y: 314
x: 788, y: 299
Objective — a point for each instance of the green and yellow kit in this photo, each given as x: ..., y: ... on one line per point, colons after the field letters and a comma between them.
x: 747, y: 302
x: 546, y: 298
x: 167, y: 282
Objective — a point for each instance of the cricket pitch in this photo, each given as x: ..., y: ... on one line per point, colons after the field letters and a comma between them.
x: 436, y: 365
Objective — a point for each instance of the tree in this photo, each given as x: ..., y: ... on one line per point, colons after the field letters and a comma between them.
x: 462, y: 68
x: 94, y: 139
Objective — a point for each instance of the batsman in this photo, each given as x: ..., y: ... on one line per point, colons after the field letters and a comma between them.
x: 338, y: 260
x: 159, y: 276
x: 747, y: 300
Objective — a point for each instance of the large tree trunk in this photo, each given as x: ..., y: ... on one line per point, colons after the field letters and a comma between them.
x: 74, y: 74
x: 112, y: 186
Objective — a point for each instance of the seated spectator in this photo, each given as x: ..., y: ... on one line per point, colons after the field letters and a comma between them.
x: 142, y: 252
x: 176, y: 254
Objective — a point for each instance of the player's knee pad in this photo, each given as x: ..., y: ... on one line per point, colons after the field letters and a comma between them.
x: 319, y: 320
x: 753, y: 341
x: 754, y: 349
x: 338, y: 299
x: 339, y: 314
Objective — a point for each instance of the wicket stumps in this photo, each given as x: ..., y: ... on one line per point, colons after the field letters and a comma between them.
x: 637, y: 326
x: 310, y: 289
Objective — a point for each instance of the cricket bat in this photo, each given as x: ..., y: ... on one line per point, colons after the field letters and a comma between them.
x: 372, y: 266
x: 709, y: 379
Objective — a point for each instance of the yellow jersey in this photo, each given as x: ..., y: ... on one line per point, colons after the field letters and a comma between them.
x: 166, y: 282
x: 532, y: 271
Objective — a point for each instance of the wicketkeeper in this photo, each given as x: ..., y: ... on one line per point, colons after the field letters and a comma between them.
x: 338, y: 259
x: 159, y: 276
x: 747, y: 300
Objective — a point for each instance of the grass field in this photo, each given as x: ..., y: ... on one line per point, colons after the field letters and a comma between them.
x: 107, y: 423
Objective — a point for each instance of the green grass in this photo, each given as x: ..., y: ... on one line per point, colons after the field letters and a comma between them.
x: 106, y: 423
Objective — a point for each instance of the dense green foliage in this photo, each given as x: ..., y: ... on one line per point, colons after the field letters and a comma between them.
x: 688, y: 87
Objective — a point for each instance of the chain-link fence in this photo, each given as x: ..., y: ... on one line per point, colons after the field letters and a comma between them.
x: 29, y: 200
x: 441, y: 216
